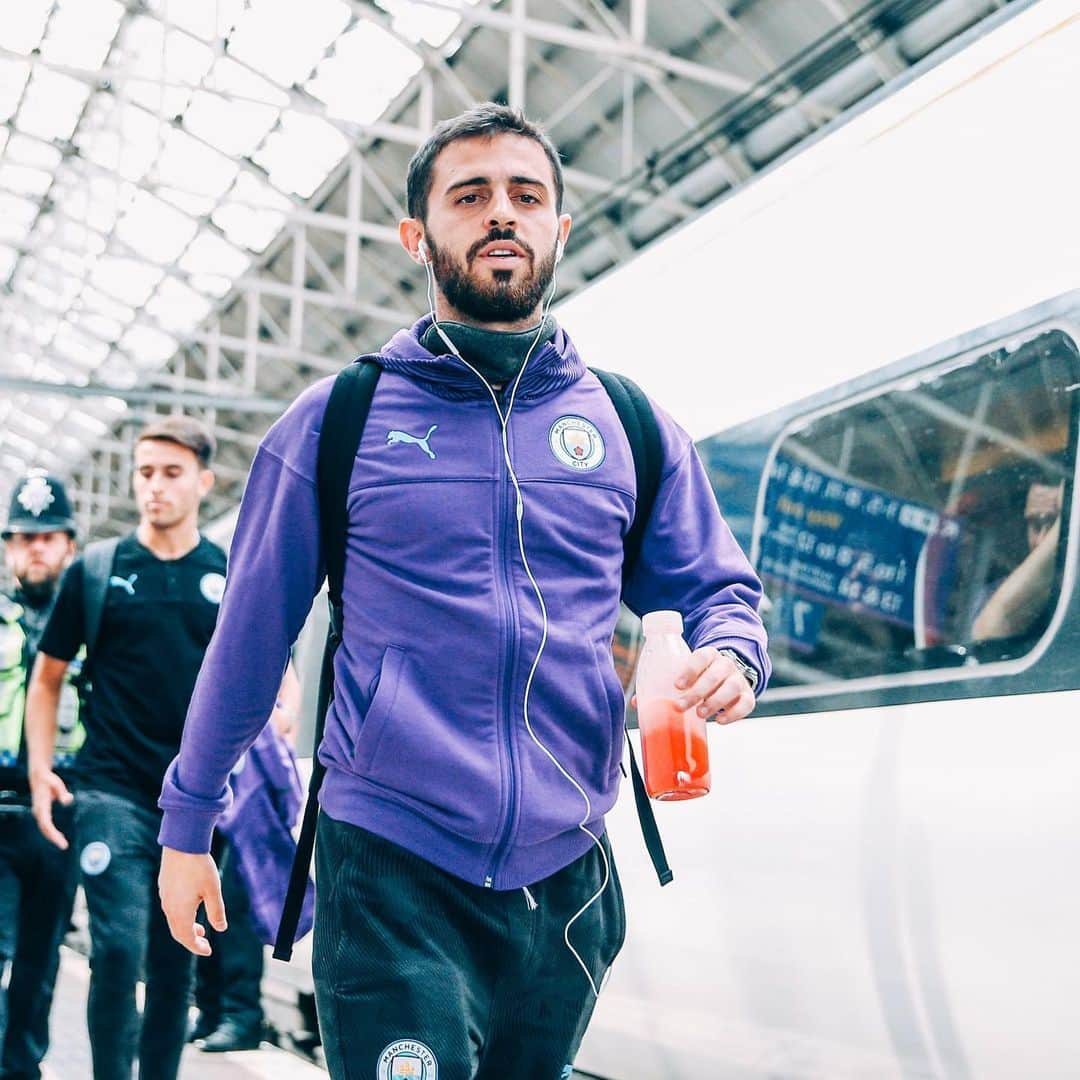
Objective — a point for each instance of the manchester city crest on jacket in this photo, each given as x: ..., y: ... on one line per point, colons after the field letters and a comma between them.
x: 576, y: 442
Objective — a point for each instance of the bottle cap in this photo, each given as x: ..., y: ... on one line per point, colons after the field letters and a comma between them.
x: 662, y: 622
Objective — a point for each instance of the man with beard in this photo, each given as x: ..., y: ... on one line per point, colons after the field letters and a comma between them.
x: 37, y: 880
x: 162, y: 588
x: 467, y: 907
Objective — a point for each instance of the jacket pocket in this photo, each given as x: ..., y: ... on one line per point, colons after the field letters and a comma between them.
x: 380, y: 709
x: 428, y: 751
x: 611, y: 688
x: 576, y: 714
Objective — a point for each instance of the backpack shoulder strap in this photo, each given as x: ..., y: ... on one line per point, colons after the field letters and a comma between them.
x: 97, y: 567
x: 639, y: 422
x: 339, y: 440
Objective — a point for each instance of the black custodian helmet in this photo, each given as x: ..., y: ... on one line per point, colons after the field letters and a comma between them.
x: 39, y: 504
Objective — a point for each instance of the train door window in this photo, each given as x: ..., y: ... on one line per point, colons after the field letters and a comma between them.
x: 924, y: 526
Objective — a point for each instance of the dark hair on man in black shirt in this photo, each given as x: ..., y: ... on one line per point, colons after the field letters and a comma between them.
x: 184, y: 431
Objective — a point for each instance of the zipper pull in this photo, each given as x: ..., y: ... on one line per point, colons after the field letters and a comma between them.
x: 487, y: 883
x: 533, y: 905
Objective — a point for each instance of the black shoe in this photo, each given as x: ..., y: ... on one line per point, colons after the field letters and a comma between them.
x: 305, y: 1003
x: 231, y: 1036
x: 203, y: 1026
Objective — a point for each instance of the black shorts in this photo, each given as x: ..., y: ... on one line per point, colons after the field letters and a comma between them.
x: 421, y: 974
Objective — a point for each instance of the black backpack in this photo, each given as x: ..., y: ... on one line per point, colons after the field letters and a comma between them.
x: 339, y: 440
x: 97, y: 569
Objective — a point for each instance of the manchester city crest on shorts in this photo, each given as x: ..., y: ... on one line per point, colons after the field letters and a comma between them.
x: 407, y: 1059
x: 575, y: 442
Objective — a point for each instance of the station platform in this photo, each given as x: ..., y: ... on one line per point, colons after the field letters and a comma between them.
x: 69, y: 1054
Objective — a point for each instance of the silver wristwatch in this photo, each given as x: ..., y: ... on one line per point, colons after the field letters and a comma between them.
x: 749, y: 673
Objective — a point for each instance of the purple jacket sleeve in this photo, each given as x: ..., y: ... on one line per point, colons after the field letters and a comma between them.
x: 274, y: 573
x: 691, y: 563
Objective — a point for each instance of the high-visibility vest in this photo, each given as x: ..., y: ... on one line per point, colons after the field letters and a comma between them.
x: 13, y: 675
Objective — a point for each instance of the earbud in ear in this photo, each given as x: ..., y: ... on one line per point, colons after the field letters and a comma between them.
x: 559, y: 249
x: 425, y: 252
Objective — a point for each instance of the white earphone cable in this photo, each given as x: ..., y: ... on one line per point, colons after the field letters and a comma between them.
x: 504, y: 419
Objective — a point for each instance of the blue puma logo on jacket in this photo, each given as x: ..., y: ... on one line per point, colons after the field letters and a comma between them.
x: 127, y: 584
x: 394, y: 437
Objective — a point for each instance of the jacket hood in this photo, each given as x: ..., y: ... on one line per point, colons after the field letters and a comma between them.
x: 554, y: 366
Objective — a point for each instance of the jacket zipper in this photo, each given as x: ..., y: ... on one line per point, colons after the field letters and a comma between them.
x: 509, y: 666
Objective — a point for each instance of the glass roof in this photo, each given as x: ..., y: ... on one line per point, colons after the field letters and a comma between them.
x: 160, y: 157
x: 146, y: 157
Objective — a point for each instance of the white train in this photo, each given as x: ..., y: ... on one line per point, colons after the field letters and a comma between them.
x: 876, y: 346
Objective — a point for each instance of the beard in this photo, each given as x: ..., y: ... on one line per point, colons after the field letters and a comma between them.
x: 501, y: 300
x: 39, y: 587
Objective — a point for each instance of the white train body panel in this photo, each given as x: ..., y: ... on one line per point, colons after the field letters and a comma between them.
x: 870, y: 893
x: 874, y: 890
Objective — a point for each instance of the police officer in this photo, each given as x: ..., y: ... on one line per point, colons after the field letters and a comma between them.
x: 37, y: 879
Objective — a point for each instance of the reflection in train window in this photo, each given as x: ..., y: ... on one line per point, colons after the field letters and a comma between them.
x: 923, y: 527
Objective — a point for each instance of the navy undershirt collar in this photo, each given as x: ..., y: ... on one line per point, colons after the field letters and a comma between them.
x: 496, y: 354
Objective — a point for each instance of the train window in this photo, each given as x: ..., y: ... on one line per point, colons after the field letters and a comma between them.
x: 922, y: 527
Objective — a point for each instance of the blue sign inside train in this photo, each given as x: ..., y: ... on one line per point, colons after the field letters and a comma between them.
x: 852, y: 545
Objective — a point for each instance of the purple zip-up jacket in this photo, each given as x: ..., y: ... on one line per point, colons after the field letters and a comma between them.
x: 425, y: 741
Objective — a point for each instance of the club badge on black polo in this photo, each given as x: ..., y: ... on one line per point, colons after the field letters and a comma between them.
x: 212, y: 586
x: 576, y: 442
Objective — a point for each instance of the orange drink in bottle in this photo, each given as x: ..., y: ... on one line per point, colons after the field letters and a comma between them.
x: 673, y: 741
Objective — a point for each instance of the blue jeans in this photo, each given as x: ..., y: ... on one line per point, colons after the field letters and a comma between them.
x: 129, y: 937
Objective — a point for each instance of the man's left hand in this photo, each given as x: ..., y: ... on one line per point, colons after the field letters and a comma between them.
x: 714, y: 685
x: 184, y: 882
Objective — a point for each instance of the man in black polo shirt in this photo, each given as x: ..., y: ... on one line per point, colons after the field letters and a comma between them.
x: 161, y: 603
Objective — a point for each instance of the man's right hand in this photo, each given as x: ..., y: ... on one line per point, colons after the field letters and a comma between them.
x: 45, y: 789
x: 185, y: 882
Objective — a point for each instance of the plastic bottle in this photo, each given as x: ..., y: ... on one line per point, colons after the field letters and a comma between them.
x: 673, y: 741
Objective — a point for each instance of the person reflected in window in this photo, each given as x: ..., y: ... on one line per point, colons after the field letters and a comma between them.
x: 1017, y: 602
